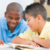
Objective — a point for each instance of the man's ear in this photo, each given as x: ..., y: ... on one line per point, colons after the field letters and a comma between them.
x: 5, y: 14
x: 22, y: 17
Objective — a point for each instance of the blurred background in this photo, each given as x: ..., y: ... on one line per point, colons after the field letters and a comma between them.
x: 4, y: 3
x: 24, y: 3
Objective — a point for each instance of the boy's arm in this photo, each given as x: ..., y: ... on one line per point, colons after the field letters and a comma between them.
x: 1, y: 42
x: 19, y: 40
x: 42, y: 42
x: 24, y: 38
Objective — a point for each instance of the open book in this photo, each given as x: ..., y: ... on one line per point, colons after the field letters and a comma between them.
x: 21, y: 46
x: 17, y: 46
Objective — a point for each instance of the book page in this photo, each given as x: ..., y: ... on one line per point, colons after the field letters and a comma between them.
x: 3, y: 46
x: 21, y: 46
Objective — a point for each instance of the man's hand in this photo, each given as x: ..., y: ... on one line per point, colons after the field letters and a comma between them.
x: 34, y: 44
x: 1, y: 42
x: 36, y: 39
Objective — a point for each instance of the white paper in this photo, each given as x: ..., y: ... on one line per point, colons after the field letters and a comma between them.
x: 13, y: 45
x: 3, y: 46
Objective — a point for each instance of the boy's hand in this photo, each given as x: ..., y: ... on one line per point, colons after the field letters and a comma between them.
x: 36, y: 39
x: 1, y: 42
x: 48, y: 49
x: 34, y: 44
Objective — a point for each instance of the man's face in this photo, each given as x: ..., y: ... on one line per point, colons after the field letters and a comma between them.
x: 13, y: 18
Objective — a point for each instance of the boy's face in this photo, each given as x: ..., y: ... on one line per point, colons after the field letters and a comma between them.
x: 32, y: 22
x: 13, y: 18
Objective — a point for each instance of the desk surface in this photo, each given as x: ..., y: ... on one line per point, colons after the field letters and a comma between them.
x: 24, y: 49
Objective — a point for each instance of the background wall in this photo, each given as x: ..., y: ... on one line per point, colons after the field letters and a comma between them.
x: 4, y: 3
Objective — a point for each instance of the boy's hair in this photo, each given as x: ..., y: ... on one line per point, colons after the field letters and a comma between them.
x: 36, y: 9
x: 14, y: 7
x: 42, y: 1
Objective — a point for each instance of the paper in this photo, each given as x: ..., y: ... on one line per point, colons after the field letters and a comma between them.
x: 3, y: 46
x: 21, y: 46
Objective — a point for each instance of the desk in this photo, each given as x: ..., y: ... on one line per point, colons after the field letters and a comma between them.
x: 7, y: 48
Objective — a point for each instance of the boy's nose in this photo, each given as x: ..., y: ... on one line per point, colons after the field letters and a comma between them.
x: 13, y: 21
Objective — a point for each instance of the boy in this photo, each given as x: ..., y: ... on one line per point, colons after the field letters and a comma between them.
x: 39, y: 32
x: 13, y: 24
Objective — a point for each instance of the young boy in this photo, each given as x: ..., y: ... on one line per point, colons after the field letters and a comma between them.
x: 13, y: 24
x: 39, y: 32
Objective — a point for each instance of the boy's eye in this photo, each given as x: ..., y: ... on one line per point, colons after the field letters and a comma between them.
x: 28, y: 20
x: 9, y: 17
x: 17, y: 18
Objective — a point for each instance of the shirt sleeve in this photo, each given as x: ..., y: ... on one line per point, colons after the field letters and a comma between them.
x: 1, y: 34
x: 27, y: 34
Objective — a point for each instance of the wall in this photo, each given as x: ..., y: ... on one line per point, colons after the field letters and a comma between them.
x: 4, y: 3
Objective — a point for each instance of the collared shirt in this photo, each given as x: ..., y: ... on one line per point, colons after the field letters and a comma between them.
x: 6, y: 35
x: 45, y: 33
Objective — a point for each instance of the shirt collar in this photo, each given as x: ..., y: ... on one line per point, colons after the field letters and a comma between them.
x: 5, y: 26
x: 17, y: 29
